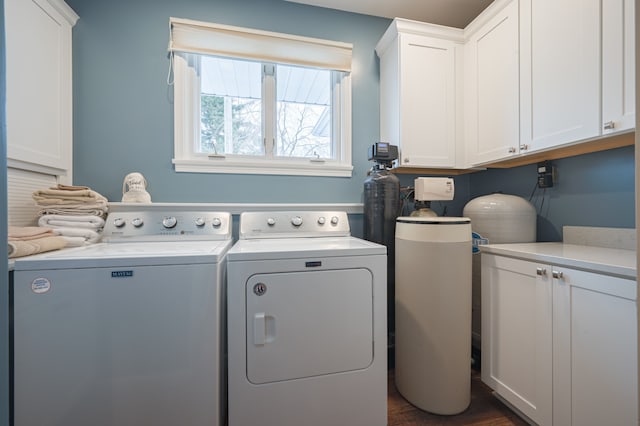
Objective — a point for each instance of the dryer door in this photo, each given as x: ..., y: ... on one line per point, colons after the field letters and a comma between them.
x: 311, y: 323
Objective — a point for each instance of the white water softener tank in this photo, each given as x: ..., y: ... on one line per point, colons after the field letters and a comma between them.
x: 496, y: 219
x: 433, y: 312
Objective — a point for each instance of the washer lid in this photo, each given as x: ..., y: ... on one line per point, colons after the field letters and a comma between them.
x: 297, y: 248
x: 130, y: 254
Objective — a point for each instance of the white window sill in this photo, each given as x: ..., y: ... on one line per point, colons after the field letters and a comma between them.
x: 234, y: 166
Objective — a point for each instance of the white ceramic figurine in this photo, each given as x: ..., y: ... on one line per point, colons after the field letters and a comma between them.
x: 134, y: 189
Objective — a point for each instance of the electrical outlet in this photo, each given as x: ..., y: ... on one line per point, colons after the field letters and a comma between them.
x: 545, y: 174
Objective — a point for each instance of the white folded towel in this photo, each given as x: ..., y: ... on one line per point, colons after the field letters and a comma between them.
x: 84, y: 221
x: 96, y: 210
x: 75, y: 241
x: 90, y: 236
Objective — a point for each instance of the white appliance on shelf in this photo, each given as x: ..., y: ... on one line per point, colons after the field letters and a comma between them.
x: 125, y: 332
x: 306, y: 323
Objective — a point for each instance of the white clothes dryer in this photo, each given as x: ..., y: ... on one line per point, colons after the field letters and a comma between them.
x: 306, y: 323
x: 126, y: 332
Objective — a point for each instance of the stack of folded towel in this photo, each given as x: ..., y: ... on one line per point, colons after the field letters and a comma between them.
x: 75, y: 212
x: 27, y: 240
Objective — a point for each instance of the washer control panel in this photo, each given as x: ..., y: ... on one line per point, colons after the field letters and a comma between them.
x: 167, y: 226
x: 287, y: 224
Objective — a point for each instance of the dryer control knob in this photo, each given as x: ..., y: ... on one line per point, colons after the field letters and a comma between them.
x: 296, y: 221
x: 137, y: 222
x: 169, y: 222
x: 199, y: 221
x: 334, y: 220
x: 118, y: 222
x: 321, y: 220
x: 216, y: 222
x: 271, y: 221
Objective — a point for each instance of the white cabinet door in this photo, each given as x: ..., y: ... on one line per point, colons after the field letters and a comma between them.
x: 427, y: 101
x: 559, y: 344
x: 594, y: 346
x: 516, y: 334
x: 39, y: 112
x: 492, y: 130
x: 560, y: 72
x: 420, y: 93
x: 618, y: 66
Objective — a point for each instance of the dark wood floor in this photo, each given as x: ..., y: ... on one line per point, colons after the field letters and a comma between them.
x: 484, y: 409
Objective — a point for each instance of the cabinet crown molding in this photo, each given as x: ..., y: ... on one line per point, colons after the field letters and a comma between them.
x: 492, y: 10
x: 407, y: 26
x: 65, y: 10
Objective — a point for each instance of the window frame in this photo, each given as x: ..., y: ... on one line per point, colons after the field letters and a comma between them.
x: 186, y: 84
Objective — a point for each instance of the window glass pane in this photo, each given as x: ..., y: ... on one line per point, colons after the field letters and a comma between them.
x: 303, y: 112
x: 230, y: 107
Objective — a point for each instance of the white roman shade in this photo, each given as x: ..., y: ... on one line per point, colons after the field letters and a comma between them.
x: 236, y: 42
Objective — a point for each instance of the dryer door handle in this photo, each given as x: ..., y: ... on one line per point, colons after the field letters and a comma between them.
x: 264, y: 328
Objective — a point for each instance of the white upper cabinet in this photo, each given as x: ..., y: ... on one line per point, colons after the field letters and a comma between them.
x: 536, y: 75
x: 491, y: 72
x: 39, y: 104
x: 560, y: 72
x: 544, y: 74
x: 618, y: 66
x: 420, y: 92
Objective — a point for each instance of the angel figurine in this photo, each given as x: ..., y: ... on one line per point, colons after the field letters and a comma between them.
x: 134, y: 189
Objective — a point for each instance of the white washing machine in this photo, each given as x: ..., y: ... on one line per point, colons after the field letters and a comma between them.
x: 126, y: 332
x: 306, y: 323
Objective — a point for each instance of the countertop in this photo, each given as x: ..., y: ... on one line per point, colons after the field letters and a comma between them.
x: 610, y: 261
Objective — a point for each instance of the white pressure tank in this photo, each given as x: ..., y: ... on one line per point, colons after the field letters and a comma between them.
x: 433, y: 312
x: 496, y: 219
x: 502, y: 218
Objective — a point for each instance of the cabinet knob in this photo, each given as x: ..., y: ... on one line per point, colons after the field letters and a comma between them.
x: 557, y: 274
x: 609, y: 125
x: 524, y: 147
x: 512, y: 150
x: 541, y: 271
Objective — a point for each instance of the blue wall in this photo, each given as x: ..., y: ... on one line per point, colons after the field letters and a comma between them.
x: 591, y: 190
x: 123, y: 118
x: 123, y: 114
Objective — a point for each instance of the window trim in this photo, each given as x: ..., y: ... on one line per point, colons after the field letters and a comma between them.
x: 187, y: 122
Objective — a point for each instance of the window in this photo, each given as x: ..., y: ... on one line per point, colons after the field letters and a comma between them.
x: 248, y: 101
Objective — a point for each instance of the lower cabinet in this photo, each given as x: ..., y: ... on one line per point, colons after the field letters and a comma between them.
x: 594, y: 349
x: 559, y: 344
x: 517, y: 335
